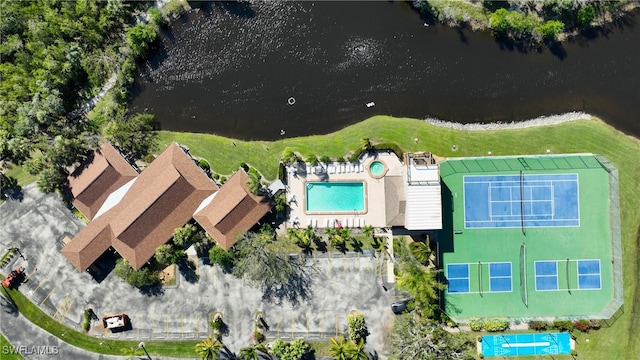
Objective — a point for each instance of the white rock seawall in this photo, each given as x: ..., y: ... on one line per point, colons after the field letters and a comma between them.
x: 539, y: 121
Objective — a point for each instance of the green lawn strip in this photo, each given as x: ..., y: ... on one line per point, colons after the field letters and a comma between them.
x: 17, y: 172
x: 89, y: 343
x: 321, y: 348
x: 7, y: 348
x: 584, y: 136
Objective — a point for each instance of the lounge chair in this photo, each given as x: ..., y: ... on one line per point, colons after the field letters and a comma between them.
x: 310, y: 222
x: 352, y: 167
x: 331, y: 169
x: 327, y: 223
x: 339, y: 168
x: 308, y: 169
x: 315, y: 223
x: 342, y: 167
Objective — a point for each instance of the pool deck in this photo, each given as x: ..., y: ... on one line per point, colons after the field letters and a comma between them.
x: 375, y: 213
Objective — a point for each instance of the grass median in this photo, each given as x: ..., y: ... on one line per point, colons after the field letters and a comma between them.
x: 96, y: 345
x: 589, y: 135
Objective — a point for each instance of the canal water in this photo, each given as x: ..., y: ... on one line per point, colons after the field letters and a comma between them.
x: 233, y: 69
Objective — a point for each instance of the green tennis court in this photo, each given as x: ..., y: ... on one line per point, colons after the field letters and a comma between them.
x: 517, y: 266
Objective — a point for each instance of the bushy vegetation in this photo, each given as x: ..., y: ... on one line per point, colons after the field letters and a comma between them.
x: 538, y: 325
x: 358, y: 330
x: 490, y: 325
x: 293, y: 350
x: 521, y: 20
x: 563, y: 325
x: 55, y: 55
x: 136, y: 278
x: 86, y: 320
x: 424, y: 339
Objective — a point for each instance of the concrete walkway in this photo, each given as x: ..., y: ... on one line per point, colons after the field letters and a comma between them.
x: 315, y: 309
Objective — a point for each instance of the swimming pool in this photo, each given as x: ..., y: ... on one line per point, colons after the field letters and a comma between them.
x: 335, y: 196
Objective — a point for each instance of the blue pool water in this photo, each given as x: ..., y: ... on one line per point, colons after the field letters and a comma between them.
x: 526, y: 344
x: 335, y: 196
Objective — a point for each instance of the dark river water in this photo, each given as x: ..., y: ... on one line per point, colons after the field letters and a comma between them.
x: 229, y: 69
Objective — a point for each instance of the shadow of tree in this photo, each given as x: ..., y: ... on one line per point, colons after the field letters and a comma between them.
x: 151, y: 290
x: 188, y: 270
x: 320, y: 244
x: 356, y: 245
x: 296, y: 290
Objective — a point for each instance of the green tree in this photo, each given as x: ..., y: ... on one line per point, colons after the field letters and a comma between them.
x: 550, y: 29
x: 339, y: 349
x: 423, y: 286
x: 358, y: 330
x: 155, y: 16
x: 259, y: 265
x: 168, y: 254
x: 281, y: 203
x: 131, y: 352
x: 365, y: 144
x: 134, y: 135
x: 253, y: 352
x: 426, y: 340
x: 254, y: 183
x: 289, y: 156
x: 208, y: 349
x: 186, y: 235
x: 368, y: 230
x: 421, y: 251
x: 222, y: 257
x: 139, y: 37
x: 294, y: 350
x: 355, y: 351
x: 586, y: 15
x: 137, y: 278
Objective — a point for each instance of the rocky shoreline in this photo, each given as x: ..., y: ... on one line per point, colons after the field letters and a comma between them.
x: 539, y: 121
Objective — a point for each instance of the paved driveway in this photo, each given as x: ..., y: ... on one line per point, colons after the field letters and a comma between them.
x: 338, y: 284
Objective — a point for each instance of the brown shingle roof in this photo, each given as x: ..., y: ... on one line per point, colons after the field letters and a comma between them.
x: 163, y: 197
x: 91, y: 183
x: 233, y: 210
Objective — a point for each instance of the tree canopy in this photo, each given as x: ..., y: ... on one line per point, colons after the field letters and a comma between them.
x: 426, y: 340
x: 55, y: 56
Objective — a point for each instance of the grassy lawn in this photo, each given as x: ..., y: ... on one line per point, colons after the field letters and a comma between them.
x: 616, y: 342
x: 321, y: 348
x: 5, y: 347
x: 20, y: 174
x: 103, y: 346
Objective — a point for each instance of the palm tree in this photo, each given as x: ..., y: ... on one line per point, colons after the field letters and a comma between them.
x: 356, y: 351
x: 289, y: 156
x: 366, y: 145
x: 208, y: 349
x: 254, y: 183
x: 253, y: 352
x: 421, y: 252
x: 368, y: 230
x: 339, y: 349
x: 131, y: 352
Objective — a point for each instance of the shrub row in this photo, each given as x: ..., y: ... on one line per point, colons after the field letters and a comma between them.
x: 565, y: 325
x: 491, y: 325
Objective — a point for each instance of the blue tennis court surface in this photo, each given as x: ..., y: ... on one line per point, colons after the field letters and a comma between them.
x: 526, y: 344
x: 504, y: 201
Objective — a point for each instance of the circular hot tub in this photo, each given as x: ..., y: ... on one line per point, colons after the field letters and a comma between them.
x: 377, y: 169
